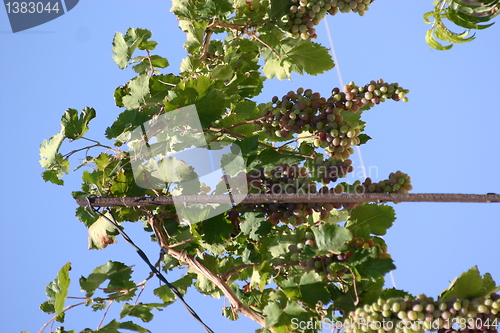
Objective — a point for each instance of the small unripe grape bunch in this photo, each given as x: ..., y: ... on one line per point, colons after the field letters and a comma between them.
x: 356, y: 6
x: 398, y: 182
x: 329, y: 170
x: 361, y: 243
x: 285, y: 179
x: 423, y: 314
x: 305, y: 14
x: 292, y: 114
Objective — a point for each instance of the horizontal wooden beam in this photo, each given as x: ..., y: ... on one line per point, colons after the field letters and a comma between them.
x: 289, y: 198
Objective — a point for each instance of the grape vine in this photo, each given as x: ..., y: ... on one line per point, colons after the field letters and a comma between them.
x: 275, y: 262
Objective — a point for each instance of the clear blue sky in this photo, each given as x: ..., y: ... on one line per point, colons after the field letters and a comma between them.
x: 446, y: 138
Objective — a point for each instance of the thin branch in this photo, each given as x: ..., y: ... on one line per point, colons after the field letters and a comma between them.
x: 227, y: 275
x: 54, y: 318
x: 252, y: 34
x: 291, y: 198
x: 105, y: 314
x: 245, y: 123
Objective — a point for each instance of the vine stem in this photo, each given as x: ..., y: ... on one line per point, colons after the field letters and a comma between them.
x: 105, y: 314
x: 54, y: 318
x: 216, y: 279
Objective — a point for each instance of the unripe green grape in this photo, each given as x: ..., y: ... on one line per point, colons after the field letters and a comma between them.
x: 294, y: 257
x: 418, y: 308
x: 318, y: 264
x: 396, y: 307
x: 442, y: 306
x: 483, y: 309
x: 309, y: 235
x: 302, y: 28
x: 412, y: 315
x: 457, y: 305
x: 401, y: 314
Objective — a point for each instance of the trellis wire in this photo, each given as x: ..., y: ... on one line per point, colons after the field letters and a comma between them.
x: 289, y: 198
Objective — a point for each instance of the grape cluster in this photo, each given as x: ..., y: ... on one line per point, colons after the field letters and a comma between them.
x: 423, y: 314
x: 306, y: 14
x: 329, y: 170
x: 324, y: 265
x: 398, y: 182
x: 286, y: 179
x: 305, y: 111
x: 359, y: 242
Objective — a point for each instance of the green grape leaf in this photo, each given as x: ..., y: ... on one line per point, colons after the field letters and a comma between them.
x: 270, y: 158
x: 182, y: 285
x: 49, y: 150
x: 82, y: 215
x: 119, y: 276
x: 363, y: 138
x: 138, y: 92
x: 254, y: 225
x: 160, y: 85
x: 126, y: 121
x: 279, y: 8
x: 222, y: 72
x: 75, y: 127
x: 331, y: 237
x: 215, y: 232
x: 47, y: 307
x: 371, y: 219
x: 125, y: 186
x: 141, y: 310
x: 53, y: 176
x: 470, y: 285
x: 124, y: 46
x: 296, y: 56
x: 102, y: 233
x: 57, y: 290
x: 131, y: 326
x: 313, y: 289
x: 214, y: 8
x: 184, y: 9
x: 272, y: 313
x: 159, y: 62
x: 375, y: 268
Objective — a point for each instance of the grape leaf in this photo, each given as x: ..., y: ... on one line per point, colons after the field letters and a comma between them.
x: 469, y: 285
x: 57, y: 290
x: 138, y: 92
x: 119, y: 276
x: 101, y: 233
x: 370, y: 219
x: 270, y: 158
x: 75, y: 127
x: 254, y: 225
x: 215, y: 232
x: 182, y: 285
x: 331, y: 237
x: 141, y: 310
x: 124, y: 46
x: 49, y: 150
x: 302, y: 56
